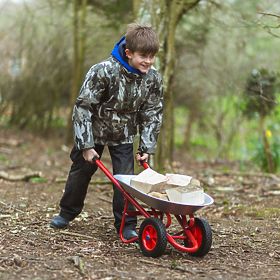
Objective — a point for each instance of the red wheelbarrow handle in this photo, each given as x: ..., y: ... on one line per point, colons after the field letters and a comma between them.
x: 99, y: 163
x: 145, y: 164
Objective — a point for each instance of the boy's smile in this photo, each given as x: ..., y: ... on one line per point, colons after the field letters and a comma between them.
x: 140, y: 61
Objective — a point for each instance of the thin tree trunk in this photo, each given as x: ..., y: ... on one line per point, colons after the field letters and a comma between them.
x: 82, y: 41
x: 79, y: 45
x: 188, y: 131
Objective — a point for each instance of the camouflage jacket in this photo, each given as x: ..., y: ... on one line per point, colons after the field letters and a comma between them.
x: 116, y: 99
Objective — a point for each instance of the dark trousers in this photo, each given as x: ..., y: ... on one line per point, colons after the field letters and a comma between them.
x: 80, y: 174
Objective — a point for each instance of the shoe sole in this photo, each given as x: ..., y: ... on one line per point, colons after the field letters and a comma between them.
x: 58, y: 227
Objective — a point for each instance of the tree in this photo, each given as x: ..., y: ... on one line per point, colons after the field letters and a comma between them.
x: 36, y: 71
x: 113, y: 11
x: 164, y: 16
x: 79, y: 46
x: 260, y: 99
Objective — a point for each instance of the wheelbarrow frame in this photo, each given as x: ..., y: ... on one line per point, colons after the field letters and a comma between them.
x: 187, y: 225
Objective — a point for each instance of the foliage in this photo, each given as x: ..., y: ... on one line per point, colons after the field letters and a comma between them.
x: 260, y: 100
x: 37, y: 77
x: 115, y: 11
x: 217, y: 44
x: 38, y: 180
x: 36, y: 67
x: 260, y: 157
x: 260, y: 93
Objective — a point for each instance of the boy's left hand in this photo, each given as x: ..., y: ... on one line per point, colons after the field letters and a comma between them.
x: 141, y: 158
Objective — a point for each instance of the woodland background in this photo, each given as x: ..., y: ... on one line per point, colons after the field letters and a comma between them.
x: 220, y: 64
x: 210, y: 53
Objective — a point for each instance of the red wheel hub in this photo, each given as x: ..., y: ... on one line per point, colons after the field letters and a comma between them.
x: 149, y: 237
x: 197, y: 234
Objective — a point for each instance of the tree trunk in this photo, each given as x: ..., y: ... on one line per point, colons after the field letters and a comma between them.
x: 79, y: 45
x: 164, y: 17
x: 188, y: 131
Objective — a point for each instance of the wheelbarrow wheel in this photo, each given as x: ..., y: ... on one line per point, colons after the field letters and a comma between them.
x: 202, y: 232
x: 152, y: 237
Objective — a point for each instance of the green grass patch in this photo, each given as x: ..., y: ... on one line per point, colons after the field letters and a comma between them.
x: 38, y: 180
x: 255, y: 212
x: 263, y: 212
x: 3, y: 158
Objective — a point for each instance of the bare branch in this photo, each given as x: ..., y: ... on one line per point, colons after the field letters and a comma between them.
x: 269, y: 14
x: 270, y: 32
x: 267, y: 27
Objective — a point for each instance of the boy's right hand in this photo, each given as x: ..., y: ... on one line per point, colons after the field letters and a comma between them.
x: 90, y: 154
x: 141, y: 157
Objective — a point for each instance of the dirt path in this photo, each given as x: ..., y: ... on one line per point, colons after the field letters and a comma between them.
x: 244, y: 219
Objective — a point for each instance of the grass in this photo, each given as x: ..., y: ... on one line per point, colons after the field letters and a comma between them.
x: 3, y: 158
x: 251, y: 211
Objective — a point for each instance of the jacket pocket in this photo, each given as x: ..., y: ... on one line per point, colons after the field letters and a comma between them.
x: 115, y: 130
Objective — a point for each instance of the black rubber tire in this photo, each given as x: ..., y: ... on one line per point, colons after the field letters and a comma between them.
x: 152, y: 248
x: 206, y: 237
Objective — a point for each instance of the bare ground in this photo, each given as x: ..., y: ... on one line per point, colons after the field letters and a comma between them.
x: 244, y: 220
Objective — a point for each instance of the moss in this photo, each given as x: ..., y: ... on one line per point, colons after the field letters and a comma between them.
x: 264, y: 212
x: 254, y: 212
x: 258, y: 212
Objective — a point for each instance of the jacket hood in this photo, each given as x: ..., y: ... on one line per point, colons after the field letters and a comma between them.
x: 118, y: 53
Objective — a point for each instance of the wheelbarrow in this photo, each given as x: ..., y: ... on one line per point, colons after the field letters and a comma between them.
x: 194, y: 237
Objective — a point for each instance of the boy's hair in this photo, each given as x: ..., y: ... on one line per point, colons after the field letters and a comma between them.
x: 141, y: 38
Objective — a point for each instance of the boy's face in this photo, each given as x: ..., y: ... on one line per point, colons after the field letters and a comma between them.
x: 140, y: 61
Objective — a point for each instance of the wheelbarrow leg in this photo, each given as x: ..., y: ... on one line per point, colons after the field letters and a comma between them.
x: 123, y: 224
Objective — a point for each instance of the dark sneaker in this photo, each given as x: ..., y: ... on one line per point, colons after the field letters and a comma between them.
x: 59, y: 222
x: 129, y: 233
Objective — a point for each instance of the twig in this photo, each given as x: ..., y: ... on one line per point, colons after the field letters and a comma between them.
x: 11, y: 206
x: 75, y: 234
x: 163, y: 265
x: 3, y: 216
x: 104, y: 199
x: 269, y: 14
x: 104, y: 218
x: 78, y: 262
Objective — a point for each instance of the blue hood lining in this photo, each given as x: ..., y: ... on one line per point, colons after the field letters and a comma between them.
x: 119, y: 55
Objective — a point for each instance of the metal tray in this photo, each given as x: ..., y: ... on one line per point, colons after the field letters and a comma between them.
x: 160, y: 204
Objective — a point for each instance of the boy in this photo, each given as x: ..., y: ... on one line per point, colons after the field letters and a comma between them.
x: 118, y: 95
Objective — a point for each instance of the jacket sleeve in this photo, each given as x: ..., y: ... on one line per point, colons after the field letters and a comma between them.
x: 90, y: 94
x: 150, y: 118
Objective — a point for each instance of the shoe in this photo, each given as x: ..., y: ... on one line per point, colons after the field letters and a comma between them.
x: 129, y: 233
x: 59, y: 222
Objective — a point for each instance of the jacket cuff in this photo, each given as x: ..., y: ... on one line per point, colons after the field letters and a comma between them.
x: 82, y: 146
x: 146, y: 150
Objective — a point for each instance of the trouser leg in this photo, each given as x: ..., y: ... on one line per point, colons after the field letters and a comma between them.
x: 123, y: 163
x: 72, y: 201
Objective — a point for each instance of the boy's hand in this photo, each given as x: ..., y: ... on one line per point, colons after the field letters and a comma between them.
x: 90, y: 154
x: 141, y: 157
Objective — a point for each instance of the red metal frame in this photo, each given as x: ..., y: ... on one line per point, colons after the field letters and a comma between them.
x: 189, y: 231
